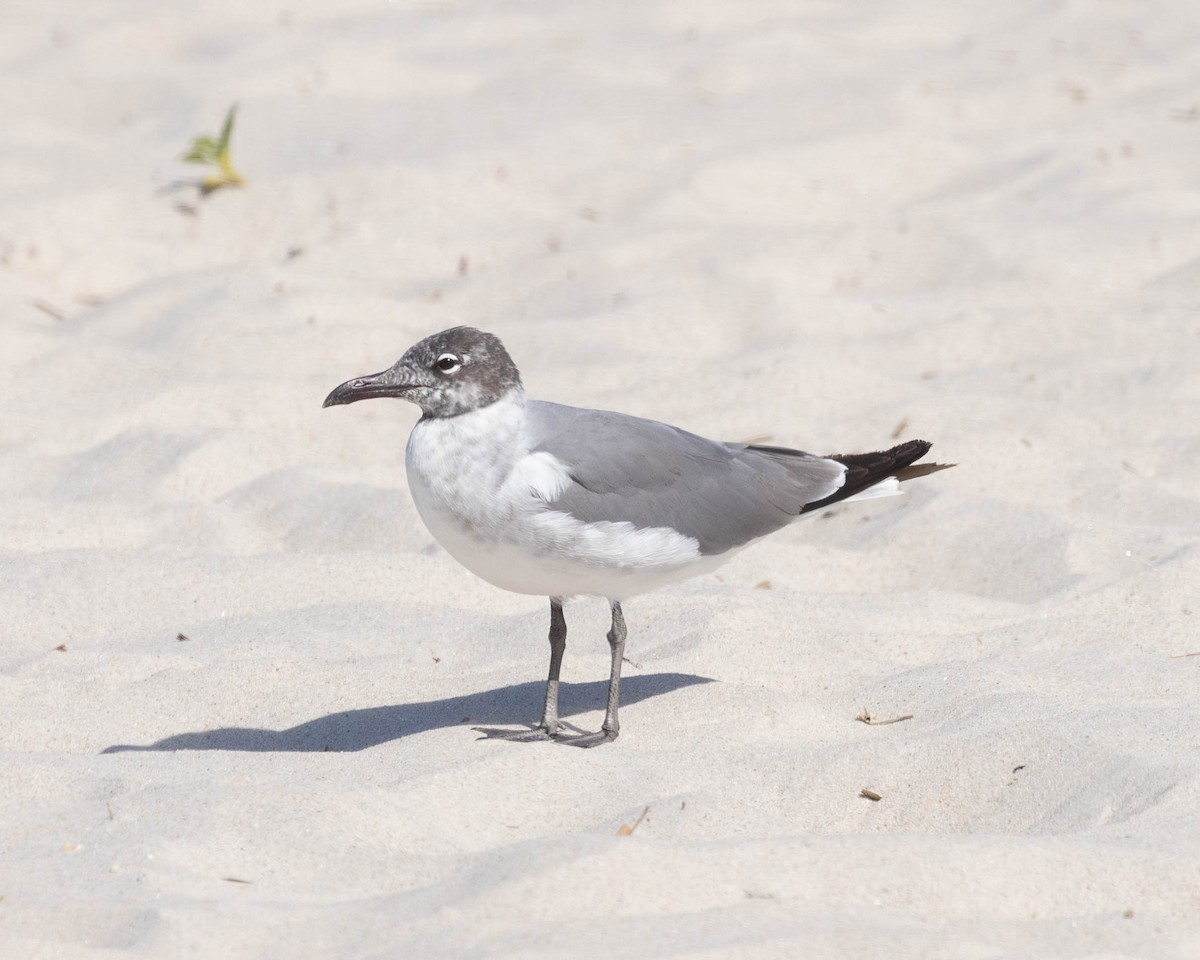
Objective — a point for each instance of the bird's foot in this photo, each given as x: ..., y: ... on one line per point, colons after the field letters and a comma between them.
x: 578, y: 738
x: 589, y: 739
x: 540, y: 732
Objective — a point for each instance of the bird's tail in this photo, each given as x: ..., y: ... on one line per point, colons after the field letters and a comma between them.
x: 878, y: 474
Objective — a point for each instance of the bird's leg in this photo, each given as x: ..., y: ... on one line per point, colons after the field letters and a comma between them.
x: 616, y: 642
x: 558, y: 643
x: 608, y: 731
x: 550, y: 725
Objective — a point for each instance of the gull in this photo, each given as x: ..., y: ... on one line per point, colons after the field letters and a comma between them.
x: 557, y: 501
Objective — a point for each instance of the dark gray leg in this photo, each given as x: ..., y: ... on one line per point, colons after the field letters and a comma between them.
x: 558, y: 643
x: 616, y: 642
x: 608, y: 731
x: 550, y: 725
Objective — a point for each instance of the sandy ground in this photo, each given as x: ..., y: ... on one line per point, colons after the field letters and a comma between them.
x: 239, y: 678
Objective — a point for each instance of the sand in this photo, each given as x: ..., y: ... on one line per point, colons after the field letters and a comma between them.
x: 239, y: 678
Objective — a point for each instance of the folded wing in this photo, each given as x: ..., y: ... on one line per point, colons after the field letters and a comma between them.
x: 649, y: 474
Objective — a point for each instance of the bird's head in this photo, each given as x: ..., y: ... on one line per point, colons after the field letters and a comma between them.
x: 446, y: 374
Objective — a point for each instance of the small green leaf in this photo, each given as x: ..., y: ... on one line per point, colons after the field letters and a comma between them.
x: 204, y: 150
x: 226, y: 130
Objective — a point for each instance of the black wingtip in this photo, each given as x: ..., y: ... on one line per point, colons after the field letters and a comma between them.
x: 864, y: 470
x: 882, y: 463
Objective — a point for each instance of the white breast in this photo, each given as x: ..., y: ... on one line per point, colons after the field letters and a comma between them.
x: 484, y: 496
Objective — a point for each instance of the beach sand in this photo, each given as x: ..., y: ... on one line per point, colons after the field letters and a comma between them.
x: 239, y: 678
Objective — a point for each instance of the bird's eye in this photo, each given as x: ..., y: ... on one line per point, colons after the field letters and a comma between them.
x: 447, y: 363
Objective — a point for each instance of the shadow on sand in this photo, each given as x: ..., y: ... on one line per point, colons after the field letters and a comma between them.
x: 361, y: 729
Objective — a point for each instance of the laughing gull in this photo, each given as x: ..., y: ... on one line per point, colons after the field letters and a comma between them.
x: 559, y: 501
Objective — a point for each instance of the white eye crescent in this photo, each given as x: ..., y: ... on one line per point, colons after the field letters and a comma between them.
x: 447, y: 363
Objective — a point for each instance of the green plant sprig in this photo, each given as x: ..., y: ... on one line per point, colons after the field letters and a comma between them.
x: 214, y: 151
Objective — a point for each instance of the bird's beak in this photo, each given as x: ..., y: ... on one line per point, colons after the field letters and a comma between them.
x: 385, y: 384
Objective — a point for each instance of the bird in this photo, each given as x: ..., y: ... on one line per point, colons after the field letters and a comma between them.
x: 557, y: 501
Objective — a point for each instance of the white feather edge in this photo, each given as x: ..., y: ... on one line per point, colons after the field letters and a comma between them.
x: 887, y: 487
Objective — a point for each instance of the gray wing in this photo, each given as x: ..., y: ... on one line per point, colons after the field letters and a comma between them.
x: 650, y: 474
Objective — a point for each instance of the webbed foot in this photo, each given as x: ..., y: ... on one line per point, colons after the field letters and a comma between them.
x: 523, y: 735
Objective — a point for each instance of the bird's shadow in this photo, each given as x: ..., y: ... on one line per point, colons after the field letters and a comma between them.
x: 361, y: 729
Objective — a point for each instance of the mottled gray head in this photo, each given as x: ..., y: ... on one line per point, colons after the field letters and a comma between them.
x: 452, y: 372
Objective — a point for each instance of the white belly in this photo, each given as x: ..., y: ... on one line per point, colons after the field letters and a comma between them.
x: 484, y: 497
